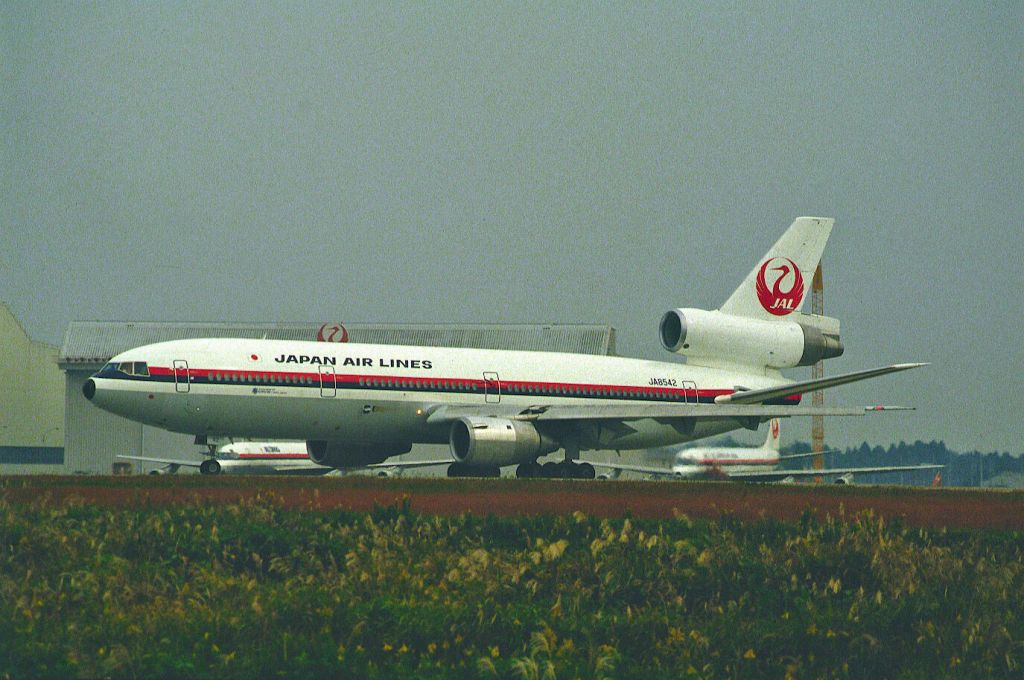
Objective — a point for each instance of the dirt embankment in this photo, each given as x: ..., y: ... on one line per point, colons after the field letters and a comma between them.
x: 954, y: 508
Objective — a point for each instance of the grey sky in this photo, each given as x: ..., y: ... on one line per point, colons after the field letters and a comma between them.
x: 529, y: 163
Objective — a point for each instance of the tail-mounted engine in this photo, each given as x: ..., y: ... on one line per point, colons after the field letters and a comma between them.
x: 485, y: 442
x: 714, y: 338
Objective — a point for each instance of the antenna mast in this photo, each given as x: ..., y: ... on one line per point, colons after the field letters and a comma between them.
x: 818, y: 371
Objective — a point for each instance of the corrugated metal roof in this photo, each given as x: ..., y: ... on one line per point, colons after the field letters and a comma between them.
x: 95, y: 342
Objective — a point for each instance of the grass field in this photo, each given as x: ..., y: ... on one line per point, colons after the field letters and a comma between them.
x: 254, y: 587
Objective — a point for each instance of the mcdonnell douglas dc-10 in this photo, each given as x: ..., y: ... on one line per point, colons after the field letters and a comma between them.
x: 359, y: 404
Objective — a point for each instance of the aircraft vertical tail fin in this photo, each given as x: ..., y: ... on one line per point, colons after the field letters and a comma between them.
x: 777, y: 286
x: 772, y: 442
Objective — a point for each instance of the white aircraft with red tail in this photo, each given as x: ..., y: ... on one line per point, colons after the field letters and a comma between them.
x: 751, y: 464
x: 359, y: 404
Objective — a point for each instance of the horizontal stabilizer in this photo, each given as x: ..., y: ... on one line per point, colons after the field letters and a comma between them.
x: 762, y: 395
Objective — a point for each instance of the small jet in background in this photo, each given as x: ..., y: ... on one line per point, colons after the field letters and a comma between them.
x: 271, y: 458
x: 750, y: 464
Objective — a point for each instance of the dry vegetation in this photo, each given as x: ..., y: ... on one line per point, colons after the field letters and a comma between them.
x: 256, y: 588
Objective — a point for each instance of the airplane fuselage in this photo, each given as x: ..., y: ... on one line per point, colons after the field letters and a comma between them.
x: 371, y: 393
x: 721, y: 462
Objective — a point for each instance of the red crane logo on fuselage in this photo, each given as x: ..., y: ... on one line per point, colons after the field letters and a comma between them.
x: 332, y: 332
x: 778, y: 299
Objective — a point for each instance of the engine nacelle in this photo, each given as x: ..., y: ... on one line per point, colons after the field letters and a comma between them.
x: 340, y: 454
x: 717, y: 338
x: 486, y: 442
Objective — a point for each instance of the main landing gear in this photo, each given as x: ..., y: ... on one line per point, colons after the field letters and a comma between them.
x: 564, y: 470
x: 568, y: 468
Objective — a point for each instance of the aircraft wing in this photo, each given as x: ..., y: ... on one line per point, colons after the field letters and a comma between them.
x: 404, y: 464
x: 643, y: 469
x: 297, y: 468
x: 547, y: 413
x: 776, y: 475
x: 300, y: 468
x: 165, y: 461
x: 742, y: 404
x: 791, y: 456
x: 758, y: 396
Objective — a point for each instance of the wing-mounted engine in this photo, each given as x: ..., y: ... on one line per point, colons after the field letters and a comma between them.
x: 719, y: 339
x: 342, y: 454
x: 486, y: 442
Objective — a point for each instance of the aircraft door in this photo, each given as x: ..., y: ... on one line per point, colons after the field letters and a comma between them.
x: 328, y: 388
x: 492, y: 388
x: 690, y: 392
x: 181, y: 378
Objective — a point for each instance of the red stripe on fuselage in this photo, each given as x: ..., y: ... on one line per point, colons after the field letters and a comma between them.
x: 527, y: 388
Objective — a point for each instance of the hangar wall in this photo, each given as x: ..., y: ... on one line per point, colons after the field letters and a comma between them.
x: 31, y: 405
x: 94, y: 438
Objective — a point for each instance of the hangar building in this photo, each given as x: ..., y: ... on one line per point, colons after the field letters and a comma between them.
x: 31, y: 408
x: 94, y: 438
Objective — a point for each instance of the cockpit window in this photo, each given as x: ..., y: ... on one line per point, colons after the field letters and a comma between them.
x: 134, y: 368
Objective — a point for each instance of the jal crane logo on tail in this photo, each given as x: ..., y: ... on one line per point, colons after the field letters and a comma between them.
x: 786, y: 291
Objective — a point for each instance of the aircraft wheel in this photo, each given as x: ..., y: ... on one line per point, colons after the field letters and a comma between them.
x: 209, y: 467
x: 549, y: 471
x: 527, y: 471
x: 585, y: 471
x: 456, y: 470
x: 566, y: 470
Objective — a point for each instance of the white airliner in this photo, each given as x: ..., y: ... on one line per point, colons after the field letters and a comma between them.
x: 359, y: 404
x: 756, y: 464
x: 253, y: 458
x: 270, y: 458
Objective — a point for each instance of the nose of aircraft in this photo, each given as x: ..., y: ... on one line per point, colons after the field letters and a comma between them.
x: 89, y: 389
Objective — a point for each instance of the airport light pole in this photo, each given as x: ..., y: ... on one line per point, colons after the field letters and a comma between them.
x: 818, y: 371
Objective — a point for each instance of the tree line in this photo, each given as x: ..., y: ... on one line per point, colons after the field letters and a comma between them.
x: 972, y: 468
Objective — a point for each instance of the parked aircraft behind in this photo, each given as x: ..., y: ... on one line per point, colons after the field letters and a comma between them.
x: 270, y: 458
x: 360, y: 404
x: 751, y: 464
